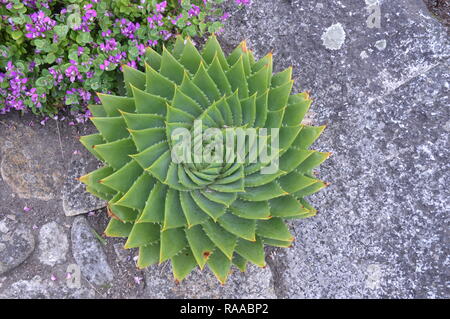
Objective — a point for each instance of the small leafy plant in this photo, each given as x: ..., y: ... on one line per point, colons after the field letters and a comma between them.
x: 56, y: 54
x: 202, y: 213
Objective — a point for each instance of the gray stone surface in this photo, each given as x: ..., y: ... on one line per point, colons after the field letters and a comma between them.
x: 37, y: 288
x: 255, y: 283
x: 53, y: 244
x: 16, y: 243
x: 89, y: 254
x: 29, y: 171
x: 381, y: 226
x: 75, y: 199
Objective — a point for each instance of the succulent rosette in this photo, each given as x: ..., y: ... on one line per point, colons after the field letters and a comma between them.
x: 198, y: 213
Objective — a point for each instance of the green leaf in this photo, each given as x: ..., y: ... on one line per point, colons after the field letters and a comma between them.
x: 202, y: 247
x: 278, y: 97
x: 216, y: 72
x: 295, y: 181
x: 172, y: 242
x: 311, y: 189
x: 190, y: 57
x: 249, y: 110
x: 171, y: 68
x: 236, y: 77
x: 212, y: 49
x: 148, y: 137
x: 114, y: 104
x: 205, y: 83
x: 282, y: 77
x: 173, y: 216
x: 157, y: 84
x: 148, y: 255
x: 182, y: 264
x: 219, y: 197
x: 147, y: 103
x: 153, y: 58
x: 116, y: 153
x: 190, y: 89
x: 193, y: 213
x: 61, y: 30
x: 220, y: 265
x: 138, y: 193
x: 250, y: 210
x: 274, y: 228
x: 155, y: 206
x: 220, y: 237
x: 293, y: 158
x: 160, y: 167
x: 235, y: 107
x: 263, y: 192
x: 307, y: 136
x: 296, y: 112
x: 240, y: 262
x: 151, y: 155
x: 143, y: 234
x: 314, y: 160
x: 142, y: 121
x: 183, y: 102
x: 133, y: 77
x: 111, y: 128
x: 252, y: 250
x: 117, y: 228
x: 244, y: 228
x: 213, y: 209
x: 286, y: 206
x: 89, y: 141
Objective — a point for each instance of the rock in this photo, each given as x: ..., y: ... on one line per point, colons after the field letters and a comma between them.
x: 89, y: 254
x: 16, y: 244
x: 75, y: 199
x: 28, y: 163
x: 122, y: 253
x: 37, y: 288
x: 381, y: 226
x: 256, y: 283
x: 53, y: 244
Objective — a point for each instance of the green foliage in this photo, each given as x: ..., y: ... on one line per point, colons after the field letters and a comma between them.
x: 55, y: 54
x: 202, y: 214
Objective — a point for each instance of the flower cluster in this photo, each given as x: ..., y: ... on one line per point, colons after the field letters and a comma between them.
x: 18, y: 96
x: 55, y: 54
x: 40, y: 24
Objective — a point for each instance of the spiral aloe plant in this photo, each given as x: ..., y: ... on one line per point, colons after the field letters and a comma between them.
x: 198, y: 213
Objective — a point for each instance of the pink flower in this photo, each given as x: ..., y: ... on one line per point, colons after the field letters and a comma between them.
x: 194, y: 11
x: 225, y: 16
x: 160, y: 7
x: 26, y: 209
x: 137, y: 280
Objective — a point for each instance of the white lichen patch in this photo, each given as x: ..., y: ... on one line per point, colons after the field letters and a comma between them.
x: 364, y: 55
x: 334, y: 37
x: 381, y: 45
